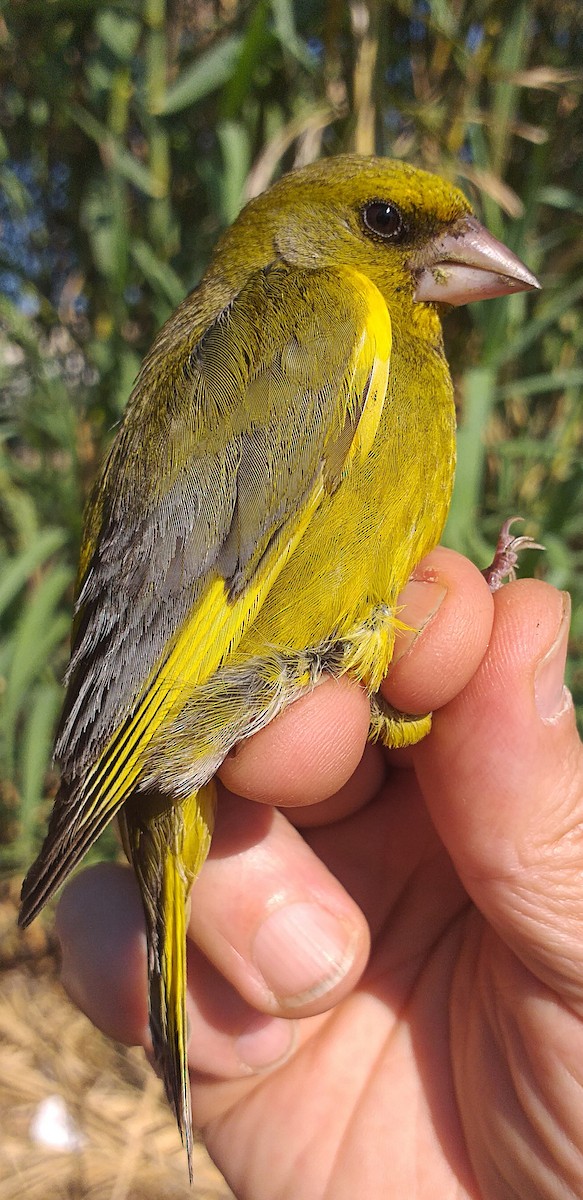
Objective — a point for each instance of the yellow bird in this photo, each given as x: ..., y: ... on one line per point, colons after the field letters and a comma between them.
x: 286, y: 458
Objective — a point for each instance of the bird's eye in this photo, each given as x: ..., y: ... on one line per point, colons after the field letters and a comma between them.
x: 384, y: 219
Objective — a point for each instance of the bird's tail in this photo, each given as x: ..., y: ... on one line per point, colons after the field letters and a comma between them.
x: 167, y: 848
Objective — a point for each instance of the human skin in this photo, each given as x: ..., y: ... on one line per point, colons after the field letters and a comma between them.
x: 386, y: 947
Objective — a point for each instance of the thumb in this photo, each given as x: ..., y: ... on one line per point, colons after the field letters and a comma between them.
x: 502, y: 773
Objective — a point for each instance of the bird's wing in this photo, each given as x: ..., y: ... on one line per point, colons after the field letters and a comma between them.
x: 222, y: 460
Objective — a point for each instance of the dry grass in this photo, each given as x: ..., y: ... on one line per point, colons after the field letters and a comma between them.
x: 129, y: 1148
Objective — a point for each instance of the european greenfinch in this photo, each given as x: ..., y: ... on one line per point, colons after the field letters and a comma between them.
x: 285, y: 461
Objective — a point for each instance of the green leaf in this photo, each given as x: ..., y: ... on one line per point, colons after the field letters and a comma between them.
x: 255, y: 49
x: 37, y: 632
x: 34, y: 760
x: 119, y: 32
x: 234, y: 142
x: 210, y: 71
x: 443, y: 18
x: 15, y: 193
x: 533, y: 329
x: 559, y: 197
x: 559, y: 559
x: 160, y: 276
x: 287, y: 35
x: 535, y: 385
x: 512, y: 54
x: 115, y: 153
x: 128, y: 367
x: 19, y: 326
x: 479, y: 390
x: 16, y: 572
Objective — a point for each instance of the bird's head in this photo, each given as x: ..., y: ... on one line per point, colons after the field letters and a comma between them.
x: 411, y: 232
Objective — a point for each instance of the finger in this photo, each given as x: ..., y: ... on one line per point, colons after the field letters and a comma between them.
x: 100, y: 925
x: 313, y: 749
x: 265, y: 911
x: 272, y: 918
x: 364, y: 784
x: 435, y: 658
x: 308, y: 752
x: 227, y: 1037
x: 502, y: 772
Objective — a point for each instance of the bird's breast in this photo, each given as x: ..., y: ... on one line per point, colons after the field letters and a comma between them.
x: 387, y: 513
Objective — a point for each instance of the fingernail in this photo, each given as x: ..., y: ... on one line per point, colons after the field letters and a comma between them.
x: 550, y: 693
x: 265, y: 1042
x: 302, y: 951
x: 420, y: 600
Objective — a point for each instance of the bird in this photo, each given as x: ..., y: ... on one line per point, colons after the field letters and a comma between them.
x: 285, y: 460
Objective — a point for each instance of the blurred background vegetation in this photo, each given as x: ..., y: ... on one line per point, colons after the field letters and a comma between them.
x: 130, y: 135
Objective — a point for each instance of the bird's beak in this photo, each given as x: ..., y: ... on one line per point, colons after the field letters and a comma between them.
x: 468, y: 263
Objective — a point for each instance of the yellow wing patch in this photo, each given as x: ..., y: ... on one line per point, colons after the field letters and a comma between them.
x: 212, y: 631
x: 377, y: 334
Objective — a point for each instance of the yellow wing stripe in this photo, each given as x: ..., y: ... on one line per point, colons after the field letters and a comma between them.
x: 196, y: 654
x: 377, y: 334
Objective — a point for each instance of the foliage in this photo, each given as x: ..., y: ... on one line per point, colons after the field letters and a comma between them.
x: 129, y: 137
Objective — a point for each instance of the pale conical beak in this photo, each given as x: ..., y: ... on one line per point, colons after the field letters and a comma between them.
x: 468, y: 263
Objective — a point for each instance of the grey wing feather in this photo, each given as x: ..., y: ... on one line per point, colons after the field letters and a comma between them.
x: 142, y: 581
x: 207, y: 467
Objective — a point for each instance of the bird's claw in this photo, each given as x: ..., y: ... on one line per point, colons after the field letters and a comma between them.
x: 503, y: 565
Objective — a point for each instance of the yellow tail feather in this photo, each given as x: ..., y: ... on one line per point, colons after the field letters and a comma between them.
x: 167, y: 848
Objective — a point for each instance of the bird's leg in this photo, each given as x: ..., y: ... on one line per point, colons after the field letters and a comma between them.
x: 393, y: 728
x: 503, y: 565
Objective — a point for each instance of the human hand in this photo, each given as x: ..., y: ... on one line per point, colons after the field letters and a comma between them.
x: 386, y: 979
